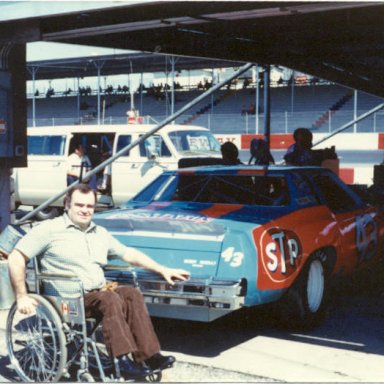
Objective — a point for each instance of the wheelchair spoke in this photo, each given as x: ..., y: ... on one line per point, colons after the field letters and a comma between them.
x: 36, y: 344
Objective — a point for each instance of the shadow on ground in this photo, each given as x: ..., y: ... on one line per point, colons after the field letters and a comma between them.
x: 354, y: 322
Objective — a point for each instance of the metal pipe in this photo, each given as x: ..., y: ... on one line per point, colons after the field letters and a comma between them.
x: 267, y: 104
x: 127, y: 148
x: 173, y: 61
x: 355, y: 109
x: 257, y: 101
x: 352, y: 122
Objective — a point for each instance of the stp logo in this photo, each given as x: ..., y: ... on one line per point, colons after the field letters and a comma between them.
x: 281, y: 253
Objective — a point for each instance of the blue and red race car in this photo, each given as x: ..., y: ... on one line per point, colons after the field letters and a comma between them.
x: 248, y: 235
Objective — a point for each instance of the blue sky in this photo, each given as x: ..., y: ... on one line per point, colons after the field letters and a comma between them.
x: 46, y: 51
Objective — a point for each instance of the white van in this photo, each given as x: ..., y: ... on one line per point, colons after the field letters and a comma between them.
x: 49, y: 147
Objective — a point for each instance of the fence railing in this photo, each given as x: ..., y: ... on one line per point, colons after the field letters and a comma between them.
x: 281, y: 122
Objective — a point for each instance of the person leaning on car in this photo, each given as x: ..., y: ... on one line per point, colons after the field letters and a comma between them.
x: 73, y: 243
x: 301, y: 152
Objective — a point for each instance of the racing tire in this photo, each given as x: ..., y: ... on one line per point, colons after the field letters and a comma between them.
x: 306, y: 302
x: 47, y: 213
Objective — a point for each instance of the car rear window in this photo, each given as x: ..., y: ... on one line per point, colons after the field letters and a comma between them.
x: 232, y: 189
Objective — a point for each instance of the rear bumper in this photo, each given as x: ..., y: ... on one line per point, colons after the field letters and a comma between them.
x: 200, y: 299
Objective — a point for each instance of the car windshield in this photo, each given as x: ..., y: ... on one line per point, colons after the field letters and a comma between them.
x: 201, y: 142
x: 220, y: 189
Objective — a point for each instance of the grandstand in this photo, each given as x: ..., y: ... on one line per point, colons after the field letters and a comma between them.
x: 321, y: 107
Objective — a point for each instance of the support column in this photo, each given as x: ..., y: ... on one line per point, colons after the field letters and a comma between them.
x: 267, y: 104
x: 33, y: 72
x: 99, y: 65
x: 13, y: 121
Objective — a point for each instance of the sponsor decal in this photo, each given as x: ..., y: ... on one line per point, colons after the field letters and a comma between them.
x: 280, y: 256
x: 159, y: 216
x: 69, y: 308
x: 199, y: 263
x: 366, y: 237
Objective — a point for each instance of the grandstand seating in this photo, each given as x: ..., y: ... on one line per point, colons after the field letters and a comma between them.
x: 221, y: 112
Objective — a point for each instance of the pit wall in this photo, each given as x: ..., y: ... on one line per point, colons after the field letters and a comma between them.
x: 355, y: 173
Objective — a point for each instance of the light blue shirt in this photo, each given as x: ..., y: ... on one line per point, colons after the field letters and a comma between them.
x: 63, y: 247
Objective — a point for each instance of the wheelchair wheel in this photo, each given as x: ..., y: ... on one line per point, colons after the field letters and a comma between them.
x: 36, y: 343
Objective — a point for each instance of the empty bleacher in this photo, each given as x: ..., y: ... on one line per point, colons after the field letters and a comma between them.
x: 322, y: 108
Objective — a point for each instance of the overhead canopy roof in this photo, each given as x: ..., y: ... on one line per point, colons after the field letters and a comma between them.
x: 339, y: 41
x: 120, y: 64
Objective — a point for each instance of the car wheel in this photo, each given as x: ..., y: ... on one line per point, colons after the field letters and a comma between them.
x: 306, y: 301
x: 47, y: 213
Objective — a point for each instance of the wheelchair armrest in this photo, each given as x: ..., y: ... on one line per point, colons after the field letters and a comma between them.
x: 59, y: 276
x: 122, y: 268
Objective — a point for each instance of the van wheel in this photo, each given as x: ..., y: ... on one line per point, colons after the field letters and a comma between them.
x: 306, y: 301
x: 47, y: 213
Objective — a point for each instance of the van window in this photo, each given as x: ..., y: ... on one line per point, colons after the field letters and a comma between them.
x: 122, y: 142
x: 154, y: 146
x: 195, y: 141
x: 46, y: 145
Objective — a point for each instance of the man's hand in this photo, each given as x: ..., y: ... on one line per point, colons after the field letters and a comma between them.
x: 172, y: 275
x: 26, y: 305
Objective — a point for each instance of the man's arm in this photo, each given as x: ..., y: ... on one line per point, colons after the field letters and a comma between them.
x: 139, y: 259
x: 16, y: 264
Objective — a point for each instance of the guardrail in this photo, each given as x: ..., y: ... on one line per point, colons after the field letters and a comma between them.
x: 281, y: 122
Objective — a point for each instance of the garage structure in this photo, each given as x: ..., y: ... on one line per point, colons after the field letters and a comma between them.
x: 339, y: 41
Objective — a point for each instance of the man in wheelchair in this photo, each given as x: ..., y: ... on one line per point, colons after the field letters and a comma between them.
x: 72, y: 243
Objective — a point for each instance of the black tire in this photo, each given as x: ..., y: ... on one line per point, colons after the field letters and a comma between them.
x: 36, y: 343
x: 304, y: 306
x: 47, y: 213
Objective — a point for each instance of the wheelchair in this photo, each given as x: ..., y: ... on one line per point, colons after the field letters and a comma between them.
x: 58, y: 342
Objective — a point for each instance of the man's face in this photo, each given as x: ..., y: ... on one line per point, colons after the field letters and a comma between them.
x: 81, y: 208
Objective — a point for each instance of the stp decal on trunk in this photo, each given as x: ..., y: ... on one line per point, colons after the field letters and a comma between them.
x: 280, y: 256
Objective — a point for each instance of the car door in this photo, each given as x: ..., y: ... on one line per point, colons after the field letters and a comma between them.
x: 45, y: 175
x: 357, y: 223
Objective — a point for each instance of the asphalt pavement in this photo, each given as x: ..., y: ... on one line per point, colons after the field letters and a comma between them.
x: 257, y: 346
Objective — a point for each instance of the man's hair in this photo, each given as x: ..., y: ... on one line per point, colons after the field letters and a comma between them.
x: 75, y: 144
x: 82, y: 188
x: 304, y: 133
x: 229, y: 151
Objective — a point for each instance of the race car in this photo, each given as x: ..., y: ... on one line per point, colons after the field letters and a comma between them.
x: 249, y: 236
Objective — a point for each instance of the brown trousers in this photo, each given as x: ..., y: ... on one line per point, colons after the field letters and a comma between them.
x: 127, y: 327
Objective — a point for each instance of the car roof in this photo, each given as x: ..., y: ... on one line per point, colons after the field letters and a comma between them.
x: 247, y: 169
x: 120, y: 128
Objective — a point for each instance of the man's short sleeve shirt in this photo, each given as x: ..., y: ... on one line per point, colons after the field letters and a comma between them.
x: 65, y: 248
